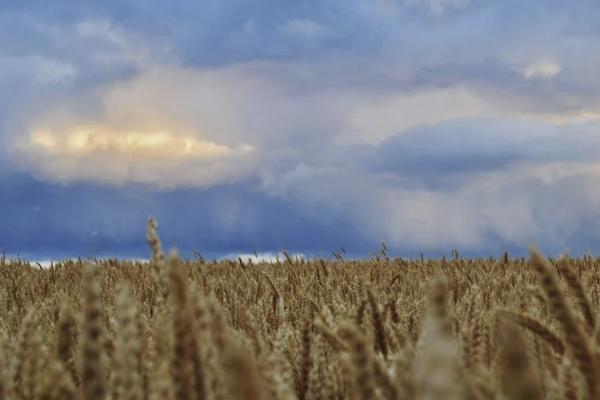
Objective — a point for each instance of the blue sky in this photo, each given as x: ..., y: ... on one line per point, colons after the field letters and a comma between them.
x: 304, y: 125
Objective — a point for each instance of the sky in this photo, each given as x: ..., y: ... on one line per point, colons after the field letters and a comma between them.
x: 304, y: 125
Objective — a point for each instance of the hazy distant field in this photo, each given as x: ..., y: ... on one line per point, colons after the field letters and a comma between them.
x: 375, y: 329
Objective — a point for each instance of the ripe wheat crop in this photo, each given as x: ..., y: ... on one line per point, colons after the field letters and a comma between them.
x: 301, y: 329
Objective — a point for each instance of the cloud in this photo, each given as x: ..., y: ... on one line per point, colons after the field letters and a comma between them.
x: 105, y: 155
x: 470, y: 184
x: 37, y: 69
x: 436, y: 7
x: 513, y: 206
x: 100, y: 29
x: 375, y: 117
x: 542, y: 69
x: 439, y: 6
x: 168, y: 128
x: 43, y: 220
x: 86, y: 141
x: 498, y: 185
x: 304, y: 27
x: 172, y: 126
x: 196, y: 127
x: 293, y: 126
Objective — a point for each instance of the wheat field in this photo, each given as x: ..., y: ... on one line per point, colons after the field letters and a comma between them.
x: 296, y: 329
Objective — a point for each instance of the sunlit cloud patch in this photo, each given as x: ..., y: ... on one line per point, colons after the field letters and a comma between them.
x: 161, y: 157
x: 90, y: 140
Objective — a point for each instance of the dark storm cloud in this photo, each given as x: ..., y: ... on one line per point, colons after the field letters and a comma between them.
x: 448, y: 153
x: 43, y: 220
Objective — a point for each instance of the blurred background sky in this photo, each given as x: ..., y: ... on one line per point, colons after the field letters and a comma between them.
x: 307, y: 125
